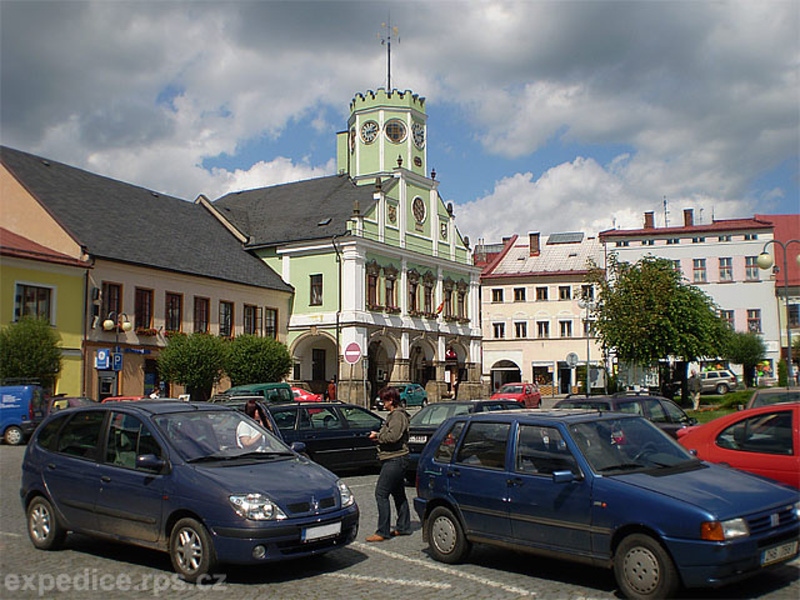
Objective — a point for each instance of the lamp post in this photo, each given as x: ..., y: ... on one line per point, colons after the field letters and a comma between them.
x: 588, y: 306
x: 117, y: 321
x: 765, y: 261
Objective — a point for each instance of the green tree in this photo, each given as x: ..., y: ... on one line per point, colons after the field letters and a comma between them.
x: 252, y: 359
x: 746, y: 349
x: 645, y: 312
x: 30, y: 349
x: 195, y: 361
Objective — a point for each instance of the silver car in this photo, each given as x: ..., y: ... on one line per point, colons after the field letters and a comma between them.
x: 720, y: 382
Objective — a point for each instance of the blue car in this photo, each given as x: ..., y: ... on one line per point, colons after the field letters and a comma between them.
x: 606, y: 489
x: 202, y: 482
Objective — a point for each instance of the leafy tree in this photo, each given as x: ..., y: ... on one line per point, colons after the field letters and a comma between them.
x: 30, y: 349
x: 195, y: 361
x: 645, y: 312
x: 252, y: 359
x: 746, y: 349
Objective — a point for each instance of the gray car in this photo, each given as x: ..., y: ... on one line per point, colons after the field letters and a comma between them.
x: 718, y: 382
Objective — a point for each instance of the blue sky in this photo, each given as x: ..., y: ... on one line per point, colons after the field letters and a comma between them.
x: 543, y: 115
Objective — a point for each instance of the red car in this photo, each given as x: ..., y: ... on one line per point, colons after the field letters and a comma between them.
x: 302, y: 395
x: 763, y: 440
x: 526, y: 394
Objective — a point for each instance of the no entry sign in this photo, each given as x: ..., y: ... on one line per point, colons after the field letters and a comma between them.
x: 352, y: 354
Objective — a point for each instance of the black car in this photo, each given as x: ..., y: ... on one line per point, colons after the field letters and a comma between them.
x: 335, y: 434
x: 667, y: 415
x: 427, y: 420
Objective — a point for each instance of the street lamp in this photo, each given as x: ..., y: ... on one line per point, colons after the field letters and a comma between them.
x: 117, y: 321
x: 588, y: 305
x: 765, y: 261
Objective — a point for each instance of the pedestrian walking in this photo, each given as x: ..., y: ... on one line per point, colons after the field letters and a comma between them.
x: 695, y: 387
x: 393, y: 454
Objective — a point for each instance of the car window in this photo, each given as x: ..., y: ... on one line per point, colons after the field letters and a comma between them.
x: 657, y: 412
x: 484, y: 445
x: 434, y: 414
x: 285, y: 418
x: 490, y: 406
x: 712, y: 376
x: 769, y: 397
x: 127, y: 438
x: 444, y: 453
x: 47, y: 436
x: 542, y: 450
x: 674, y: 414
x: 769, y: 433
x: 358, y: 418
x: 81, y: 434
x: 633, y: 408
x: 320, y: 418
x: 511, y: 389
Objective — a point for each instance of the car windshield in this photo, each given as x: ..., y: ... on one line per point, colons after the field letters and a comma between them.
x: 586, y: 404
x: 511, y: 389
x: 613, y: 446
x: 434, y: 414
x: 763, y: 398
x: 218, y: 435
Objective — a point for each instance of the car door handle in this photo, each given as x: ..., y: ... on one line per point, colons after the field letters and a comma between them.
x: 454, y: 473
x: 51, y: 466
x: 105, y: 479
x: 514, y: 482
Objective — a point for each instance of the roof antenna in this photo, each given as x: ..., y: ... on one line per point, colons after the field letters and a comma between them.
x: 666, y: 212
x: 387, y: 41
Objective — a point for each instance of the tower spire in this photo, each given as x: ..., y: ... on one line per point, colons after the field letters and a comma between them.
x: 387, y: 41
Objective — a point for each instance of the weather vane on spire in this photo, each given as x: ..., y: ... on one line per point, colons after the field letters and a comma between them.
x: 387, y: 41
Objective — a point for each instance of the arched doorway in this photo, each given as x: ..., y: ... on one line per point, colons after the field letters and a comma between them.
x: 380, y: 359
x: 315, y: 360
x: 421, y: 367
x: 455, y: 371
x: 504, y: 371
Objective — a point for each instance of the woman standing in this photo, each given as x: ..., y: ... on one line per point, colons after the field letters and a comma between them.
x: 393, y: 454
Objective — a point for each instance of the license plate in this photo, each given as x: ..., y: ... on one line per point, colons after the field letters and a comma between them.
x: 418, y: 439
x: 321, y: 531
x: 778, y: 553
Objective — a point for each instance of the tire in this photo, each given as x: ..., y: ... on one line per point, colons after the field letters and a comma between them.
x: 644, y: 570
x: 44, y: 530
x: 191, y: 550
x: 13, y: 436
x: 446, y: 539
x: 722, y: 389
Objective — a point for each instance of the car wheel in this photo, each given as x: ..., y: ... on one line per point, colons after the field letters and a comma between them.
x: 45, y: 531
x: 424, y: 402
x: 13, y: 436
x: 191, y: 550
x: 722, y: 389
x: 644, y: 569
x: 445, y: 536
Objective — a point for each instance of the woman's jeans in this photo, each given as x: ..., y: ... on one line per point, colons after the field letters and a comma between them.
x: 391, y: 482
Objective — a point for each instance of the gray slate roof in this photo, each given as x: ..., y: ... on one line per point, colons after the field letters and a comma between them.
x: 123, y: 222
x: 293, y: 211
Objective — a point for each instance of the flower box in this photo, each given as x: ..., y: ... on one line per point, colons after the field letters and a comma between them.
x: 146, y: 331
x: 375, y: 307
x: 393, y: 310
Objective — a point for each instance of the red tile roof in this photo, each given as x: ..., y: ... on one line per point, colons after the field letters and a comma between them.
x: 17, y: 246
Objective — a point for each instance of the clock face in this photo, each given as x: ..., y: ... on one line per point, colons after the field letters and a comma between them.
x: 418, y: 131
x: 369, y: 131
x: 396, y: 131
x: 418, y: 208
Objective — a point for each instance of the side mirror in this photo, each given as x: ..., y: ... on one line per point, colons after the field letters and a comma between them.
x: 563, y: 476
x: 150, y: 462
x: 692, y: 421
x: 298, y: 447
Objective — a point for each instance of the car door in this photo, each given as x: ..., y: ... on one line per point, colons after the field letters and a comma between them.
x: 478, y: 480
x: 324, y: 433
x: 543, y: 513
x: 129, y: 499
x: 70, y: 472
x: 360, y: 423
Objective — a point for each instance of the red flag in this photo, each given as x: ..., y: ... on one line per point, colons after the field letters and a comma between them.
x: 441, y: 308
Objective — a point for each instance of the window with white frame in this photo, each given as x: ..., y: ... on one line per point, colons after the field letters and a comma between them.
x: 33, y: 301
x: 754, y: 320
x: 499, y: 330
x: 699, y: 270
x: 751, y: 268
x: 497, y: 295
x: 541, y: 293
x: 565, y: 292
x: 727, y: 316
x: 519, y: 294
x: 521, y: 329
x: 565, y: 328
x: 725, y: 268
x: 543, y: 329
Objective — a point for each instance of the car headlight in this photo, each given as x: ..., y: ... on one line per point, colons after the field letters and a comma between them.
x: 256, y: 507
x: 345, y: 495
x: 720, y: 531
x: 797, y: 510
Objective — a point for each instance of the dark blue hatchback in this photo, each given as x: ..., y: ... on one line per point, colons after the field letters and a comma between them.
x: 606, y: 489
x: 202, y: 482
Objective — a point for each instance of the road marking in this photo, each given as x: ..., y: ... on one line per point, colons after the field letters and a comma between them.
x: 9, y: 534
x: 417, y: 583
x: 447, y: 570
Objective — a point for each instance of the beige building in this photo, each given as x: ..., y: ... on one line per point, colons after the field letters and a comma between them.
x: 534, y: 316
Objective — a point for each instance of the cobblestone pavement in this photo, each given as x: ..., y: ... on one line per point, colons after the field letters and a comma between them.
x: 91, y: 569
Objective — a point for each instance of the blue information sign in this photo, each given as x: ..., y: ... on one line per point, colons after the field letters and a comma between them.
x: 116, y: 361
x: 102, y: 361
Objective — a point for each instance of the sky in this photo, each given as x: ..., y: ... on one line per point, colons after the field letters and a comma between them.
x: 546, y: 116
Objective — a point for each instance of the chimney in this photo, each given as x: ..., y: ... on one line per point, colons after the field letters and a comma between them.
x: 688, y: 217
x: 649, y: 222
x: 533, y: 238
